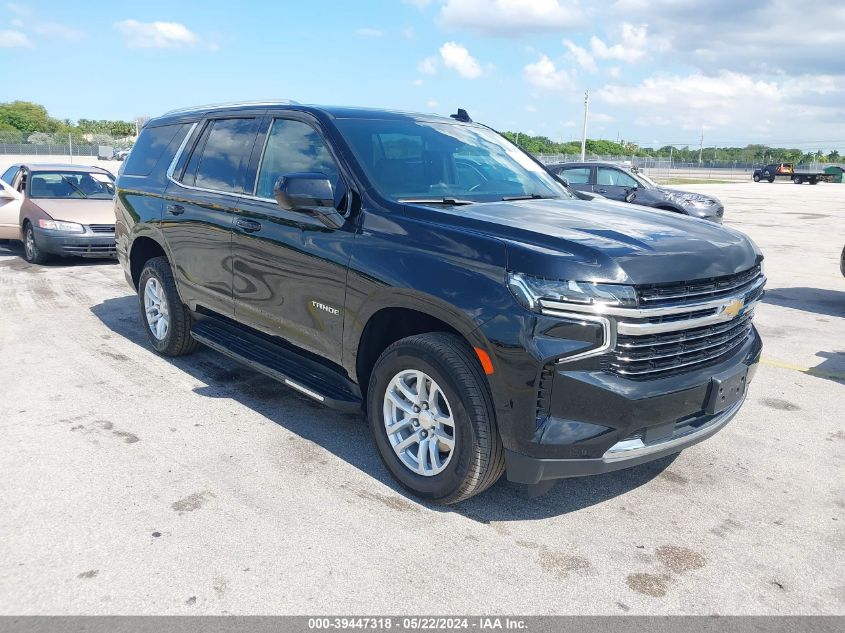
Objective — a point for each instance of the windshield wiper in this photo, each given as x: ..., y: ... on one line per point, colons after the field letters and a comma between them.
x: 455, y: 202
x: 529, y: 196
x: 73, y: 184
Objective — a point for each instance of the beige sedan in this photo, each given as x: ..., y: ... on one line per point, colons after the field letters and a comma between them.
x: 58, y: 210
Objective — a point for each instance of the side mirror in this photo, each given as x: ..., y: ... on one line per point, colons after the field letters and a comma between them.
x: 8, y: 194
x: 308, y: 192
x: 632, y: 193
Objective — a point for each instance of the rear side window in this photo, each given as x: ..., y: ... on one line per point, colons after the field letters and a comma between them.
x: 576, y: 176
x: 9, y: 174
x: 221, y: 155
x: 150, y: 146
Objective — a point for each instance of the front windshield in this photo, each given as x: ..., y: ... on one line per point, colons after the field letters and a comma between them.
x: 648, y: 181
x: 425, y: 160
x: 71, y: 184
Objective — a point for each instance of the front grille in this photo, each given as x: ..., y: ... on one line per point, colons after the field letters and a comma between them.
x: 661, y: 354
x: 700, y: 290
x: 73, y: 249
x: 101, y: 228
x: 652, y: 346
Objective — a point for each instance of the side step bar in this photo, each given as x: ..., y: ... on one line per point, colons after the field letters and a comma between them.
x: 306, y: 376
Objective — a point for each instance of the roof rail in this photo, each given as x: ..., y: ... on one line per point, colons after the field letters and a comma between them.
x: 232, y: 104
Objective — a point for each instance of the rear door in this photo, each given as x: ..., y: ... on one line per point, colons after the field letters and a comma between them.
x: 10, y: 211
x: 613, y: 183
x: 289, y: 268
x: 202, y: 199
x: 579, y: 178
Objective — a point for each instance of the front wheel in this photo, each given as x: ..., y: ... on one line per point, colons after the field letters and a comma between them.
x: 756, y: 177
x: 797, y: 180
x: 166, y: 320
x: 432, y: 418
x: 31, y: 252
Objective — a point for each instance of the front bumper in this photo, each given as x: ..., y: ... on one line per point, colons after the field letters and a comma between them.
x: 88, y: 244
x: 599, y: 423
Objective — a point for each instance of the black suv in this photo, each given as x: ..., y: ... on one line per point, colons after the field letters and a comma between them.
x: 625, y: 185
x: 430, y: 272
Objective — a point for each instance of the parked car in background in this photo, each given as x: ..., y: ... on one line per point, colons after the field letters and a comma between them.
x: 62, y: 210
x: 786, y: 170
x: 619, y: 183
x: 121, y: 154
x: 428, y: 271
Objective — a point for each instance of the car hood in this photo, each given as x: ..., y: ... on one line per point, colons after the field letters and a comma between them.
x: 82, y: 211
x: 602, y: 240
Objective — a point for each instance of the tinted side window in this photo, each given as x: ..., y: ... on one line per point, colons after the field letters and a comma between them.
x: 9, y: 174
x: 293, y: 147
x: 149, y: 147
x: 225, y: 154
x: 615, y: 177
x: 576, y: 175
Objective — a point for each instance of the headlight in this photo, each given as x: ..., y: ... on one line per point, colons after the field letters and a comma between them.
x: 690, y: 200
x: 529, y: 291
x: 58, y: 225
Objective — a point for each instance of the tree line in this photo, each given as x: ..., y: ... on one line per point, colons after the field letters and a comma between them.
x: 32, y: 122
x: 686, y: 154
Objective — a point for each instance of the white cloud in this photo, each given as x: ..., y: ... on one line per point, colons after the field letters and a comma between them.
x: 14, y: 39
x: 458, y: 58
x: 510, y: 18
x: 615, y: 72
x: 428, y: 66
x: 544, y: 74
x: 530, y: 108
x: 581, y: 56
x: 417, y: 82
x: 431, y: 103
x: 59, y: 31
x: 155, y: 34
x: 18, y: 9
x: 368, y: 32
x: 633, y: 45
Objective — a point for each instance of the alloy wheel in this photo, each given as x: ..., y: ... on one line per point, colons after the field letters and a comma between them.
x: 418, y: 422
x: 155, y: 307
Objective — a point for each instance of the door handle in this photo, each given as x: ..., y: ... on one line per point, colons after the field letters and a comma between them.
x: 602, y: 190
x: 175, y: 209
x: 250, y: 226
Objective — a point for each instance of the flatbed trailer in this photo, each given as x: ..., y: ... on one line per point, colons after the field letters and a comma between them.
x: 786, y: 170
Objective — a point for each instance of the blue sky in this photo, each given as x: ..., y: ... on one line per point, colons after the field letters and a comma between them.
x: 659, y: 72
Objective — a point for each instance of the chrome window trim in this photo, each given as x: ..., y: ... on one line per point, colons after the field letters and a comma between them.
x: 233, y: 104
x: 175, y: 160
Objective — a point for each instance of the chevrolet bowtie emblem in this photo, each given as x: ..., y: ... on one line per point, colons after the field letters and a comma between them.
x: 733, y: 308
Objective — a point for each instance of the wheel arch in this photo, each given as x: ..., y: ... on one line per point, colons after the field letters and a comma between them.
x: 388, y: 319
x: 142, y: 250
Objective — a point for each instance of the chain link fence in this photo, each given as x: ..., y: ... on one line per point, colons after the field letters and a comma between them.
x: 57, y: 144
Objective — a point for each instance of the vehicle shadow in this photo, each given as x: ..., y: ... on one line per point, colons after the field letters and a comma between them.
x: 816, y: 300
x: 347, y: 435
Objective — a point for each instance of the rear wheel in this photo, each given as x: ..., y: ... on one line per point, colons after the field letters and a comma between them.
x: 432, y: 418
x: 813, y: 181
x: 31, y: 252
x: 166, y: 320
x: 771, y: 178
x: 797, y: 180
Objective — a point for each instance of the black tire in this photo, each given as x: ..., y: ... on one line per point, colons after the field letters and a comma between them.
x: 177, y: 341
x: 797, y: 180
x: 31, y: 252
x: 478, y: 459
x: 771, y: 178
x: 756, y: 177
x: 813, y: 181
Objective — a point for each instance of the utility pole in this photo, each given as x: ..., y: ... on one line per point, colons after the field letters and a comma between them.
x: 584, y: 133
x: 700, y: 148
x: 70, y: 146
x: 517, y: 139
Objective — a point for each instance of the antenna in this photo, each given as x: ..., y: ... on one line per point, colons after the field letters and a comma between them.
x: 461, y: 116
